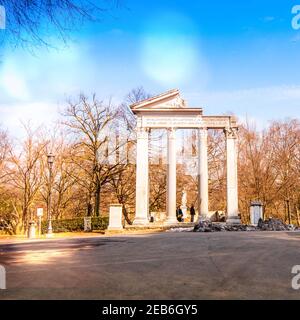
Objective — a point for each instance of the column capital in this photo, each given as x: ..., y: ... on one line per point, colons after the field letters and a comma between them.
x: 231, y: 132
x: 142, y: 133
x: 203, y: 132
x: 171, y: 133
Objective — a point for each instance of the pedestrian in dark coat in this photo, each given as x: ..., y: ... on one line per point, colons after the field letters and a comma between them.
x: 179, y: 214
x: 192, y: 212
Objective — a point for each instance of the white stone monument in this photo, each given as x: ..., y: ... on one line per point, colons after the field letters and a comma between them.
x: 115, y: 217
x: 256, y: 212
x: 87, y: 224
x: 169, y: 111
x: 183, y: 204
x: 31, y: 230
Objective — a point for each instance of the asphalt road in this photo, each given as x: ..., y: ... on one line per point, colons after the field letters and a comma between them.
x: 232, y: 265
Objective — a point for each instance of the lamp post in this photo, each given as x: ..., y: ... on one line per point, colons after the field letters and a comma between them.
x: 50, y: 157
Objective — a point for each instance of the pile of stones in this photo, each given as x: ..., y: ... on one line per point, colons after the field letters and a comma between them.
x: 270, y: 224
x: 274, y: 225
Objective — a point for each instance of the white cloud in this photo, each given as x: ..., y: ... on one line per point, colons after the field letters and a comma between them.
x: 296, y: 38
x: 13, y: 82
x: 38, y: 113
x: 263, y: 104
x: 170, y: 53
x: 268, y: 18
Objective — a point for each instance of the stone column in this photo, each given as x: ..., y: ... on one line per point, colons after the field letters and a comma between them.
x: 142, y: 178
x: 202, y: 174
x: 171, y: 178
x: 232, y: 176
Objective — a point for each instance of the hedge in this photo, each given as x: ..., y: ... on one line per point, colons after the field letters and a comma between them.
x: 76, y: 224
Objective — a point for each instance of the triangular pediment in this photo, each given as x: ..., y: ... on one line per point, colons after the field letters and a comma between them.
x: 167, y: 100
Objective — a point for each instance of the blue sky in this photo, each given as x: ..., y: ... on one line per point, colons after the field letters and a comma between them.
x: 225, y: 56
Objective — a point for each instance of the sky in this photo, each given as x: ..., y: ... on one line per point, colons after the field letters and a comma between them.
x: 226, y: 56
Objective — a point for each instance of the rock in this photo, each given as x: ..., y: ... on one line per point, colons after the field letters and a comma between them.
x: 190, y: 229
x: 270, y: 224
x: 273, y: 224
x: 251, y: 228
x: 203, y: 226
x: 260, y: 223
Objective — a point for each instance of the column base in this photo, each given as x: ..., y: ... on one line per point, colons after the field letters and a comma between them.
x: 140, y: 221
x: 49, y: 235
x: 184, y: 212
x: 171, y: 221
x: 203, y: 217
x: 114, y: 228
x: 233, y: 220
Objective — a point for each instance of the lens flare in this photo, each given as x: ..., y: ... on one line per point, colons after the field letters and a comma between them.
x: 170, y: 52
x: 13, y: 82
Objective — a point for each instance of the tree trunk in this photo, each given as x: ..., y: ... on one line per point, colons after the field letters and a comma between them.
x: 289, y: 211
x: 97, y: 200
x: 89, y: 209
x: 125, y: 214
x: 298, y: 216
x: 24, y: 220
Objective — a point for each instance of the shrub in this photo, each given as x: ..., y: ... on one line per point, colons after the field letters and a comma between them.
x: 76, y: 224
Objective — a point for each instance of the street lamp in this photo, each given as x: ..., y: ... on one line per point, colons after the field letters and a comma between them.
x: 50, y: 157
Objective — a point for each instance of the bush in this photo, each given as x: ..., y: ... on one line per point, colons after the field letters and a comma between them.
x: 76, y: 224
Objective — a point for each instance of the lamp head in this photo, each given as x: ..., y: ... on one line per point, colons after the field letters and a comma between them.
x: 50, y: 157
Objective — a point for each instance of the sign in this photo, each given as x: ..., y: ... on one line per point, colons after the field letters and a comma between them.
x: 172, y: 122
x: 188, y: 122
x: 39, y: 212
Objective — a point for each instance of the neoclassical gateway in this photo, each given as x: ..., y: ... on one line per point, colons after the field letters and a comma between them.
x: 169, y: 111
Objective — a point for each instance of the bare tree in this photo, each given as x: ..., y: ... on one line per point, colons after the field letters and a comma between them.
x: 5, y: 147
x: 26, y: 174
x: 62, y: 184
x: 92, y: 123
x: 123, y: 181
x: 286, y: 137
x: 31, y: 22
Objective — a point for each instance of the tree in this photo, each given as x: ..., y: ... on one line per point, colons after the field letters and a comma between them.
x: 286, y: 137
x: 31, y: 22
x: 123, y: 181
x: 4, y: 152
x: 8, y: 217
x: 257, y: 177
x: 93, y: 123
x: 63, y: 184
x: 26, y: 172
x: 123, y: 185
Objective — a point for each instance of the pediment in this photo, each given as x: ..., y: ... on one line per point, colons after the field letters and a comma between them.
x: 167, y: 100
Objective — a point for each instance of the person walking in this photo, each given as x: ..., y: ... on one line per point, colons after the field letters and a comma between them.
x: 179, y: 214
x: 192, y: 212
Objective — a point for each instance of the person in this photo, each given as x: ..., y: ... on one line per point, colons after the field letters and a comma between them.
x: 179, y: 214
x: 192, y: 212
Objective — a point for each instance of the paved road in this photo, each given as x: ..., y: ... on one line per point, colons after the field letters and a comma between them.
x: 233, y: 265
